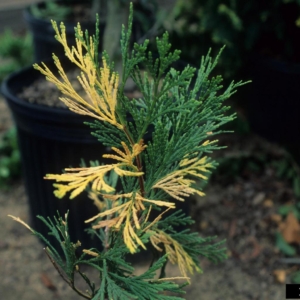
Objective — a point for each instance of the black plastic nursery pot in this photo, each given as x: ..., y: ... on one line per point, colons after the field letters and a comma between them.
x: 51, y: 139
x: 43, y: 33
x: 274, y: 101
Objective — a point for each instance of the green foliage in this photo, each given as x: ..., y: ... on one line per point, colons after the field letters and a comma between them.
x: 52, y: 10
x: 288, y: 169
x: 283, y: 246
x: 295, y: 277
x: 117, y: 279
x: 15, y: 52
x: 182, y: 121
x: 192, y: 243
x: 159, y: 144
x: 10, y: 164
x: 270, y: 28
x: 284, y: 210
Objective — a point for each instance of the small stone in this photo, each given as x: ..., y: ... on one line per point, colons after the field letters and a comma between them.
x: 203, y: 225
x: 268, y: 203
x: 263, y: 224
x: 276, y: 218
x: 280, y: 275
x: 259, y: 198
x: 3, y: 245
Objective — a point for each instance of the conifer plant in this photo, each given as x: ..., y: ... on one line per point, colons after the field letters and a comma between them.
x: 179, y: 112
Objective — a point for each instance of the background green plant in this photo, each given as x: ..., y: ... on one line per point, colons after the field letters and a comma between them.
x: 269, y: 27
x: 15, y: 52
x: 10, y: 165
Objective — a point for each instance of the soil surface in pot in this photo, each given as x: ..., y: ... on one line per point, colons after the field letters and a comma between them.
x: 239, y: 206
x: 44, y: 92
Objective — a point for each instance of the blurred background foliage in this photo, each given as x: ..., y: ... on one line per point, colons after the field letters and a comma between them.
x: 15, y: 52
x: 10, y: 167
x: 268, y: 27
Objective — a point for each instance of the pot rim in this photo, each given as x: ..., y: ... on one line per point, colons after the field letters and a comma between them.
x: 7, y: 91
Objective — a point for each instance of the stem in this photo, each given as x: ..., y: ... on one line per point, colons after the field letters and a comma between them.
x: 141, y: 178
x: 163, y: 270
x: 106, y: 243
x: 138, y: 163
x: 80, y: 292
x: 70, y: 283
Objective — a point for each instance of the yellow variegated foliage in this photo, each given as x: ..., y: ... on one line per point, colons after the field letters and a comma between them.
x: 21, y: 222
x: 176, y: 253
x: 208, y: 142
x: 127, y: 213
x: 89, y: 252
x: 75, y: 54
x: 99, y: 105
x: 77, y: 179
x: 100, y: 86
x: 93, y: 195
x: 127, y: 156
x: 177, y: 186
x: 195, y: 167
